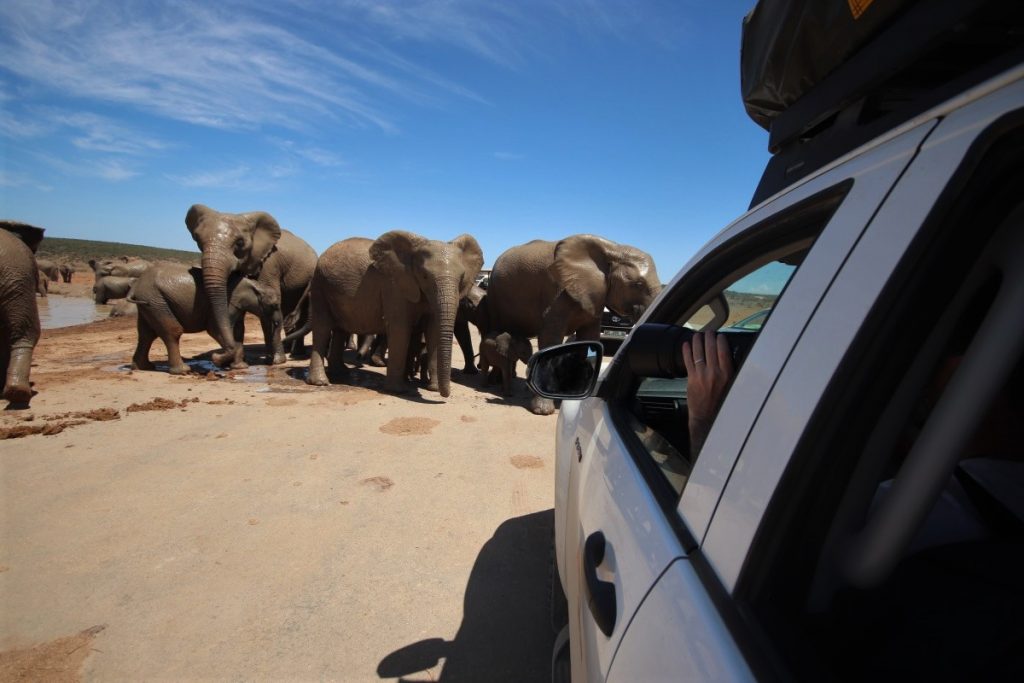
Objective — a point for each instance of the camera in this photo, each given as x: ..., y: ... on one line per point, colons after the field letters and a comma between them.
x: 656, y: 350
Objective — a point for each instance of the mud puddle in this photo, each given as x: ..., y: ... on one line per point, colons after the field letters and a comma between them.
x: 64, y: 311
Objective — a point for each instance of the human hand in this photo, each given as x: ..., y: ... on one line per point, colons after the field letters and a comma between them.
x: 709, y: 371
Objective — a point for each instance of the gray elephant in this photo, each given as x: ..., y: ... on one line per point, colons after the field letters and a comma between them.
x: 121, y: 267
x: 391, y: 284
x: 50, y: 268
x: 499, y: 352
x: 111, y: 287
x: 19, y: 315
x: 171, y: 301
x: 66, y: 272
x: 252, y: 244
x: 550, y: 290
x: 124, y: 309
x: 472, y: 309
x: 42, y: 284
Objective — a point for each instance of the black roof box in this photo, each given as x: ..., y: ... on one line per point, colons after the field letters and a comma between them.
x: 825, y: 76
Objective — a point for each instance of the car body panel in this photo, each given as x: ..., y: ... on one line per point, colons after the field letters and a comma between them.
x: 834, y: 326
x: 640, y: 544
x: 652, y: 650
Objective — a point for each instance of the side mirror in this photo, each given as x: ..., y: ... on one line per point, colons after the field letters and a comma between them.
x: 567, y: 371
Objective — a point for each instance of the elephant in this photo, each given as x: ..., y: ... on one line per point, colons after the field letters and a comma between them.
x: 549, y: 290
x: 124, y: 309
x: 121, y: 267
x: 472, y: 309
x: 50, y: 268
x: 19, y: 314
x: 66, y: 271
x: 499, y: 351
x: 390, y: 285
x: 171, y: 300
x: 42, y: 284
x: 252, y: 244
x: 111, y: 287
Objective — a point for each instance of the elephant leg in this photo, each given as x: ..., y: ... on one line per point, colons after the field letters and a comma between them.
x: 431, y: 370
x: 378, y: 351
x: 234, y: 357
x: 317, y: 374
x: 398, y: 353
x: 170, y: 331
x: 17, y: 387
x: 365, y: 342
x: 508, y: 372
x: 272, y: 339
x: 140, y: 359
x: 336, y: 367
x: 465, y: 340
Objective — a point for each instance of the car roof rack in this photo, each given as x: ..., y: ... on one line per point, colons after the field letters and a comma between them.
x: 928, y: 54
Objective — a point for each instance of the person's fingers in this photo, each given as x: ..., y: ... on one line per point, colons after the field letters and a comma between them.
x: 688, y: 358
x: 709, y: 349
x: 724, y: 356
x: 698, y: 349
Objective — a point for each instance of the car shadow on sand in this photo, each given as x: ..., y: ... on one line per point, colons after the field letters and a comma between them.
x: 506, y: 632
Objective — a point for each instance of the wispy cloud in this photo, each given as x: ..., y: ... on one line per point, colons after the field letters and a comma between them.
x: 10, y: 179
x: 115, y: 170
x: 230, y: 178
x: 311, y: 153
x: 241, y: 66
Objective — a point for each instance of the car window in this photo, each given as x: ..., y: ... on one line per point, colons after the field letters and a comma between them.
x: 657, y: 411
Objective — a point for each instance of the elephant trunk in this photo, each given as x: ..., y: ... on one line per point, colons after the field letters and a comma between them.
x: 445, y: 308
x: 216, y: 269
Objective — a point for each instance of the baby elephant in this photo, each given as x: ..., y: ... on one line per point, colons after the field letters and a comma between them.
x: 111, y: 287
x: 500, y: 351
x: 171, y: 300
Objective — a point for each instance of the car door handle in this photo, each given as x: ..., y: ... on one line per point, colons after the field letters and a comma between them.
x: 600, y: 594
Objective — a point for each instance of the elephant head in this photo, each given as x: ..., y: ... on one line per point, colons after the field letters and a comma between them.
x: 439, y: 273
x: 599, y: 273
x: 29, y: 234
x: 230, y: 242
x: 249, y: 296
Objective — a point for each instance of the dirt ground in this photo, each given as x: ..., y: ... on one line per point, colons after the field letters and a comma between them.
x: 246, y: 526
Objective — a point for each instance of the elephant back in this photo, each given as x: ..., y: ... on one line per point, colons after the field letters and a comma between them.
x: 521, y: 288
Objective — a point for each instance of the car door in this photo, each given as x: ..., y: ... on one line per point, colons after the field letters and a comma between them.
x: 627, y: 530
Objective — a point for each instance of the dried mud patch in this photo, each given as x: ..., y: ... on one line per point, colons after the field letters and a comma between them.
x: 160, y: 403
x: 58, y: 660
x: 381, y: 484
x: 409, y: 426
x: 526, y: 462
x: 48, y: 425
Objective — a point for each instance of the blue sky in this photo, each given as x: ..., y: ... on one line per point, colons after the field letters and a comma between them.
x: 510, y: 120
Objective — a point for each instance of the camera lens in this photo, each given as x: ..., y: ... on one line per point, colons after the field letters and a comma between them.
x: 655, y: 349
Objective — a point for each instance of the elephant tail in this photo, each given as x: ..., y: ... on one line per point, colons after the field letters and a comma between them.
x: 291, y: 321
x: 299, y: 333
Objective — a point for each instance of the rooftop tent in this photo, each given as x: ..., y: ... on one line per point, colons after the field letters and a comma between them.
x: 789, y: 46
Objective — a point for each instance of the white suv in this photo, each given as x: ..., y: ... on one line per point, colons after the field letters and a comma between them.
x: 857, y: 509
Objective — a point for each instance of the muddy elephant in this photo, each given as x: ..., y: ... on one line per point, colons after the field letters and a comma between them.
x: 50, y: 268
x: 171, y: 300
x: 499, y: 353
x: 42, y: 284
x: 549, y: 290
x: 390, y: 285
x: 254, y: 245
x: 66, y: 272
x: 111, y: 287
x: 124, y: 309
x: 120, y: 267
x: 19, y: 315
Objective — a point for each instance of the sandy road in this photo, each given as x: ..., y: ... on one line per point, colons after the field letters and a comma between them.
x: 251, y: 527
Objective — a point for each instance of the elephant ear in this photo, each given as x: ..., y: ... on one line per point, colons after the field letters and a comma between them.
x: 29, y: 234
x: 503, y: 343
x: 392, y: 254
x: 264, y: 232
x: 581, y: 267
x: 472, y: 260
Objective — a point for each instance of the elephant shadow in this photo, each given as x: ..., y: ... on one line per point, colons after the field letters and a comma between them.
x: 520, y: 392
x: 506, y: 632
x: 357, y: 376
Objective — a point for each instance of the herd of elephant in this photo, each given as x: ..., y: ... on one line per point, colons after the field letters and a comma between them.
x: 402, y: 295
